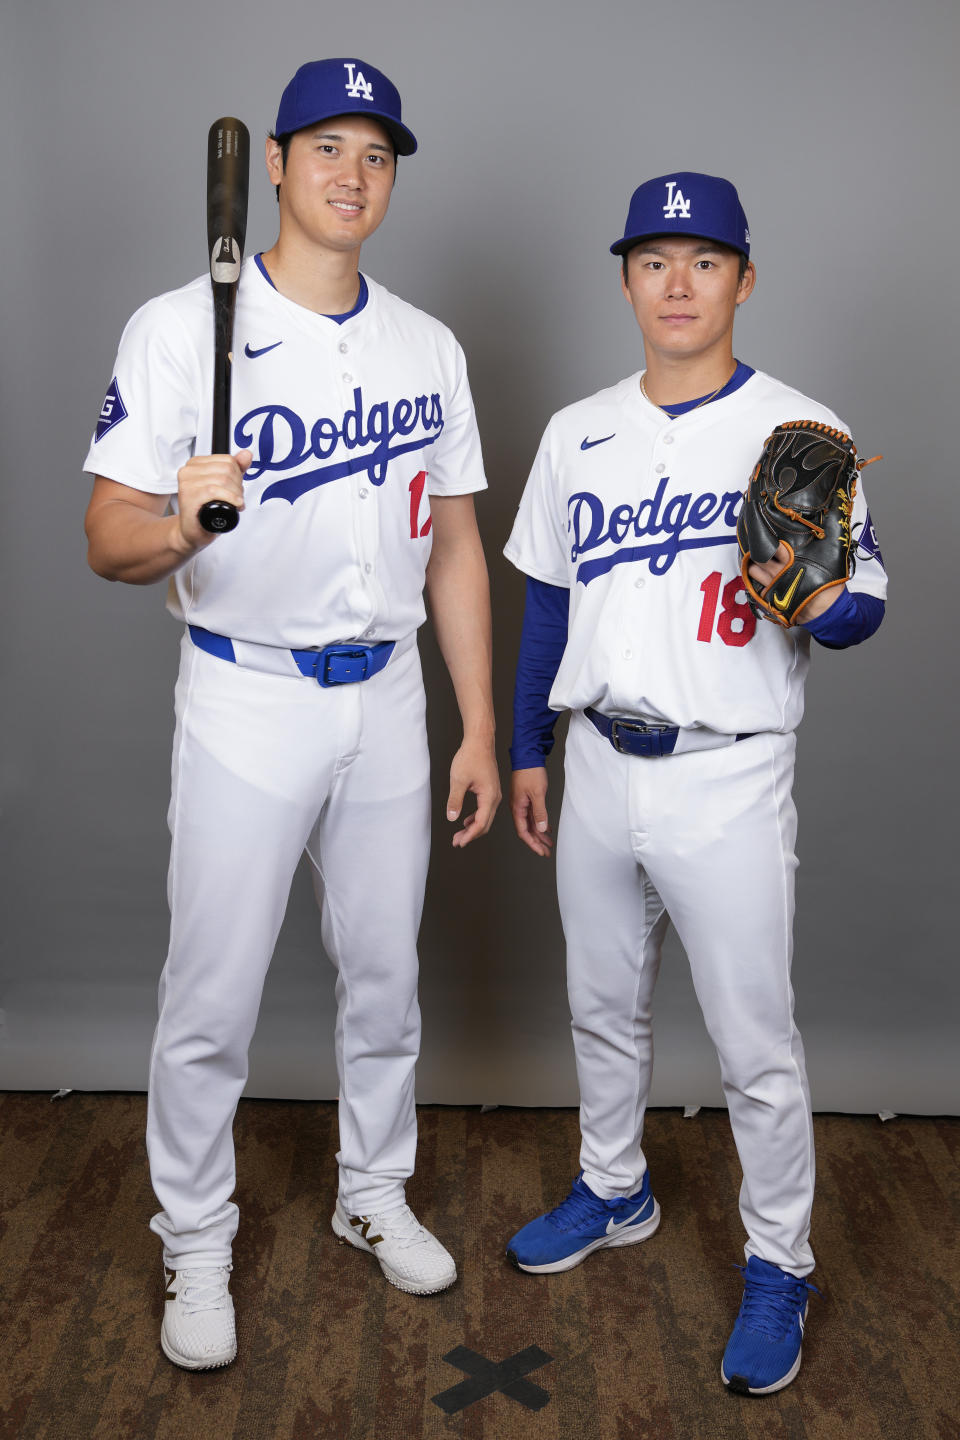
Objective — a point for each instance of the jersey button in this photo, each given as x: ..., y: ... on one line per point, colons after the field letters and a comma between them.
x: 368, y: 568
x: 628, y: 654
x: 639, y: 584
x: 343, y: 347
x: 660, y: 468
x: 364, y: 493
x: 668, y: 439
x: 347, y: 376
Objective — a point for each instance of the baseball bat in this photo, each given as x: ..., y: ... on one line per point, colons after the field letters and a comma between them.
x: 228, y: 181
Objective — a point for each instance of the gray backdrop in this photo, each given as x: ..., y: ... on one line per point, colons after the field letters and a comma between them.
x: 838, y: 122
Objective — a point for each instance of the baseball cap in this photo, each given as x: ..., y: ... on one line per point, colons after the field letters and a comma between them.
x: 686, y: 203
x: 322, y: 88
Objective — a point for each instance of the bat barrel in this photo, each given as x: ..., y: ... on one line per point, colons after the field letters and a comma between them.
x: 228, y: 185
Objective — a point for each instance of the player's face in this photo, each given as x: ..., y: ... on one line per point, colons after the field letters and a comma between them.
x: 336, y: 186
x: 685, y: 292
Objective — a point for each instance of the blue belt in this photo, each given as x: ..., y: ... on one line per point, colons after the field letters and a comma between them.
x: 333, y: 665
x: 633, y: 737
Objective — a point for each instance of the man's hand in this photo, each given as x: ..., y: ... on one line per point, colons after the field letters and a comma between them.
x: 459, y: 595
x: 528, y: 803
x: 203, y: 478
x: 763, y: 577
x: 133, y: 535
x: 474, y: 768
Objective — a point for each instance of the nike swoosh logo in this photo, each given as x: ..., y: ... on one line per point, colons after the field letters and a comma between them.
x: 782, y: 601
x: 587, y: 444
x: 612, y: 1226
x: 255, y: 354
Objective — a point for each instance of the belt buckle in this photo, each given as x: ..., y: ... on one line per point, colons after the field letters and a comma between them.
x: 650, y: 736
x: 336, y: 664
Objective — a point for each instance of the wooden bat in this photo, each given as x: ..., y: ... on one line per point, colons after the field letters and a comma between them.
x: 228, y: 182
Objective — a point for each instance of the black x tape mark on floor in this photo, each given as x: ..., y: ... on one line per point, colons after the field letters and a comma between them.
x: 489, y: 1376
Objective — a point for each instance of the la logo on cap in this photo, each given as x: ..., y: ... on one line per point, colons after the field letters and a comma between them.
x: 357, y: 88
x: 676, y: 207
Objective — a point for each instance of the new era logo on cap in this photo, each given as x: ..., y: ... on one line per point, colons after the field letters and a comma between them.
x: 686, y: 203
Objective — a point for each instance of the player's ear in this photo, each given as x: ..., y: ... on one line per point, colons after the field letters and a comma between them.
x: 624, y: 262
x: 273, y: 155
x: 747, y: 281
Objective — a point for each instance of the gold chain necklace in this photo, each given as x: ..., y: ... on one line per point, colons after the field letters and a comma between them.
x: 705, y: 401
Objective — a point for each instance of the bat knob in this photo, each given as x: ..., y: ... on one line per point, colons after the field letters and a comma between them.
x: 218, y: 516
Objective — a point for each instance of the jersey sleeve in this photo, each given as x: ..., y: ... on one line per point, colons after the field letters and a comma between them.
x: 869, y: 576
x: 538, y: 542
x: 147, y: 427
x: 456, y: 462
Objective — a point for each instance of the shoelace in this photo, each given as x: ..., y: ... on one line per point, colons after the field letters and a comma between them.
x: 401, y: 1225
x: 580, y: 1207
x: 203, y: 1289
x: 770, y: 1306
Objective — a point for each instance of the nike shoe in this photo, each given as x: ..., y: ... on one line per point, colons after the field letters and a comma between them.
x: 410, y: 1257
x: 763, y: 1353
x: 581, y: 1224
x: 198, y: 1330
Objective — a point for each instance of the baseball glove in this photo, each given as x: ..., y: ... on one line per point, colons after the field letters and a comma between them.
x: 800, y: 493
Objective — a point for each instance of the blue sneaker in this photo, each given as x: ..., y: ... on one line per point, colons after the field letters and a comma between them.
x: 581, y: 1224
x: 763, y: 1353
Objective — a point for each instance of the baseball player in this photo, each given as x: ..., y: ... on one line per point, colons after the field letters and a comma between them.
x: 680, y: 754
x: 300, y: 704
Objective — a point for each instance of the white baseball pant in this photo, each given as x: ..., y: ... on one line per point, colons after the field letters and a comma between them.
x: 266, y: 766
x: 705, y: 839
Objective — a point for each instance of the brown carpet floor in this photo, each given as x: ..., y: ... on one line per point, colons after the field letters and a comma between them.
x: 328, y: 1349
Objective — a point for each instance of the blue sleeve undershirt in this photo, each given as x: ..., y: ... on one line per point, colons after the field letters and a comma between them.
x: 542, y: 643
x: 851, y: 619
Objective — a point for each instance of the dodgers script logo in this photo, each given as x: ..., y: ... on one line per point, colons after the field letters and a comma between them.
x: 356, y: 86
x: 676, y: 207
x: 662, y: 525
x: 280, y: 441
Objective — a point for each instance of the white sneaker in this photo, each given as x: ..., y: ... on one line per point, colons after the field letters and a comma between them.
x: 410, y: 1257
x: 198, y: 1330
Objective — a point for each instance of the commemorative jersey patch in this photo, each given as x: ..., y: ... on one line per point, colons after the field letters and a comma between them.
x: 112, y: 411
x: 866, y: 543
x: 663, y: 525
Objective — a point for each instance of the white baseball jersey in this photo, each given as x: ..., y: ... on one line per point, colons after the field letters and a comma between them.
x: 353, y: 427
x: 636, y: 513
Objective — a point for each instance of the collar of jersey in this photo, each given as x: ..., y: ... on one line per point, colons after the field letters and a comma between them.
x: 739, y: 377
x: 362, y: 297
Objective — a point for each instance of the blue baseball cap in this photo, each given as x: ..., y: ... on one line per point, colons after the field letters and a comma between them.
x: 686, y: 203
x: 323, y: 88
